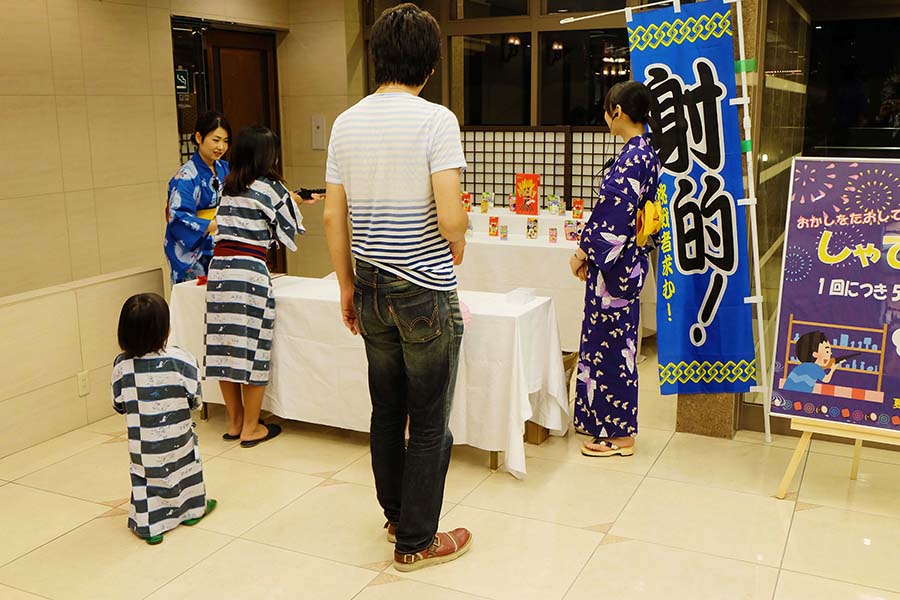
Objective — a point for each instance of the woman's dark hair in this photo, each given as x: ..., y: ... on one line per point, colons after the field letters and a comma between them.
x: 209, y: 122
x: 809, y: 343
x: 143, y: 324
x: 635, y: 99
x: 254, y: 155
x: 406, y: 45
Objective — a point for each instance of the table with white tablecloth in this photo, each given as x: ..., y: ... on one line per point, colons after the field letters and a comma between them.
x: 496, y: 265
x: 510, y: 364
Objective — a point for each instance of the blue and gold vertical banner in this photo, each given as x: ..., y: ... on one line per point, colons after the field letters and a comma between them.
x: 705, y: 328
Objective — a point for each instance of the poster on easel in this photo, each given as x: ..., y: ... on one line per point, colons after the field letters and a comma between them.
x: 837, y: 346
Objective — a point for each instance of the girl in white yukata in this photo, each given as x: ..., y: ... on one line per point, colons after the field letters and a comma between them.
x: 156, y: 387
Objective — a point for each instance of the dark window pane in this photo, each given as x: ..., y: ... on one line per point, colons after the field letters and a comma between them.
x: 577, y: 69
x: 496, y: 78
x: 853, y: 99
x: 372, y: 9
x: 479, y: 9
x: 563, y: 6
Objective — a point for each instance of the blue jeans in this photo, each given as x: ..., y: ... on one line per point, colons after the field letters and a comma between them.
x: 412, y: 336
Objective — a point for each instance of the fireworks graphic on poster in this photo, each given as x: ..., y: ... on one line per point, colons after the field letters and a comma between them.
x: 871, y: 189
x: 812, y: 181
x: 797, y: 264
x: 844, y: 237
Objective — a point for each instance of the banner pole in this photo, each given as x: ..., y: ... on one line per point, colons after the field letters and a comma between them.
x: 762, y: 363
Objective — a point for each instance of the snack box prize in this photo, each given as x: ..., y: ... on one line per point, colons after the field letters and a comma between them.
x: 531, y: 232
x: 467, y: 202
x: 489, y: 197
x: 504, y: 232
x: 553, y: 204
x: 571, y: 230
x: 527, y: 187
x: 577, y: 208
x: 494, y: 226
x: 552, y: 232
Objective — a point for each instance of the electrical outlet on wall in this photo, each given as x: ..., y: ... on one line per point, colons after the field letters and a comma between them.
x: 318, y: 132
x: 84, y: 384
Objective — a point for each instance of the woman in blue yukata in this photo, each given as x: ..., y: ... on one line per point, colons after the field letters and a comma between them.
x: 194, y: 194
x: 612, y: 257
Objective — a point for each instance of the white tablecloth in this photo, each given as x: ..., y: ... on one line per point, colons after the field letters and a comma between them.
x: 510, y: 365
x: 495, y: 265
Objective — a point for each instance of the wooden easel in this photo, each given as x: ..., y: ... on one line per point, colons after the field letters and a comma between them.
x: 855, y: 432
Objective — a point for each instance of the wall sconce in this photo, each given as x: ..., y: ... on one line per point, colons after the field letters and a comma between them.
x: 511, y: 48
x: 556, y: 52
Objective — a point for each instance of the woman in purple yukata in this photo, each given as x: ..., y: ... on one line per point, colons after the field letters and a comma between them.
x: 612, y: 257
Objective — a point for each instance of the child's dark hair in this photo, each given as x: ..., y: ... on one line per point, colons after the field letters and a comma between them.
x: 209, y: 122
x: 406, y: 45
x: 254, y: 155
x: 809, y: 343
x: 635, y: 99
x: 143, y: 325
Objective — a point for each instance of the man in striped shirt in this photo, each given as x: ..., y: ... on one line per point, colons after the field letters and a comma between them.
x: 394, y: 164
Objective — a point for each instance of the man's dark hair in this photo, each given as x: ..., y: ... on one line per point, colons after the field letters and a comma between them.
x: 405, y: 45
x: 809, y: 343
x: 143, y: 325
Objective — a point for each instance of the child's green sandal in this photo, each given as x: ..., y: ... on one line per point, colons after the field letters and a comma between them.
x: 210, y: 506
x: 156, y: 539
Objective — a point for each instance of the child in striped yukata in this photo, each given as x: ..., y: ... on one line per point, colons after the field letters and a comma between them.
x: 156, y: 387
x: 255, y: 212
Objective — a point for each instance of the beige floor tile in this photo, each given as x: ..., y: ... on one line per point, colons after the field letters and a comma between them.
x: 359, y: 472
x: 111, y: 425
x: 846, y: 450
x: 103, y: 559
x: 249, y: 494
x: 847, y: 546
x: 248, y: 570
x: 52, y: 451
x: 511, y: 557
x: 8, y: 593
x: 209, y: 433
x: 649, y: 445
x: 826, y: 481
x: 306, y: 449
x: 714, y: 521
x: 340, y: 522
x: 406, y: 589
x: 99, y: 474
x: 30, y: 518
x: 641, y: 571
x: 565, y: 493
x: 656, y: 411
x: 758, y: 437
x: 739, y: 466
x: 797, y: 586
x: 468, y: 468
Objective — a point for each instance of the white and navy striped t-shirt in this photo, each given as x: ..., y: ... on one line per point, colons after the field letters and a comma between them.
x: 383, y: 151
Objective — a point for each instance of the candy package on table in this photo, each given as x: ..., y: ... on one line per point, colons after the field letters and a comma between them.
x: 577, y: 208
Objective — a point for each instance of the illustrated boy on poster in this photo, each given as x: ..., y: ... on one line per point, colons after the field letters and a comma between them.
x: 814, y: 352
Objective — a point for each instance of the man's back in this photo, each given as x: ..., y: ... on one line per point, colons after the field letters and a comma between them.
x: 383, y: 151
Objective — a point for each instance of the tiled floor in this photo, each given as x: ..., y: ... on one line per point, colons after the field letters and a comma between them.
x: 685, y: 517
